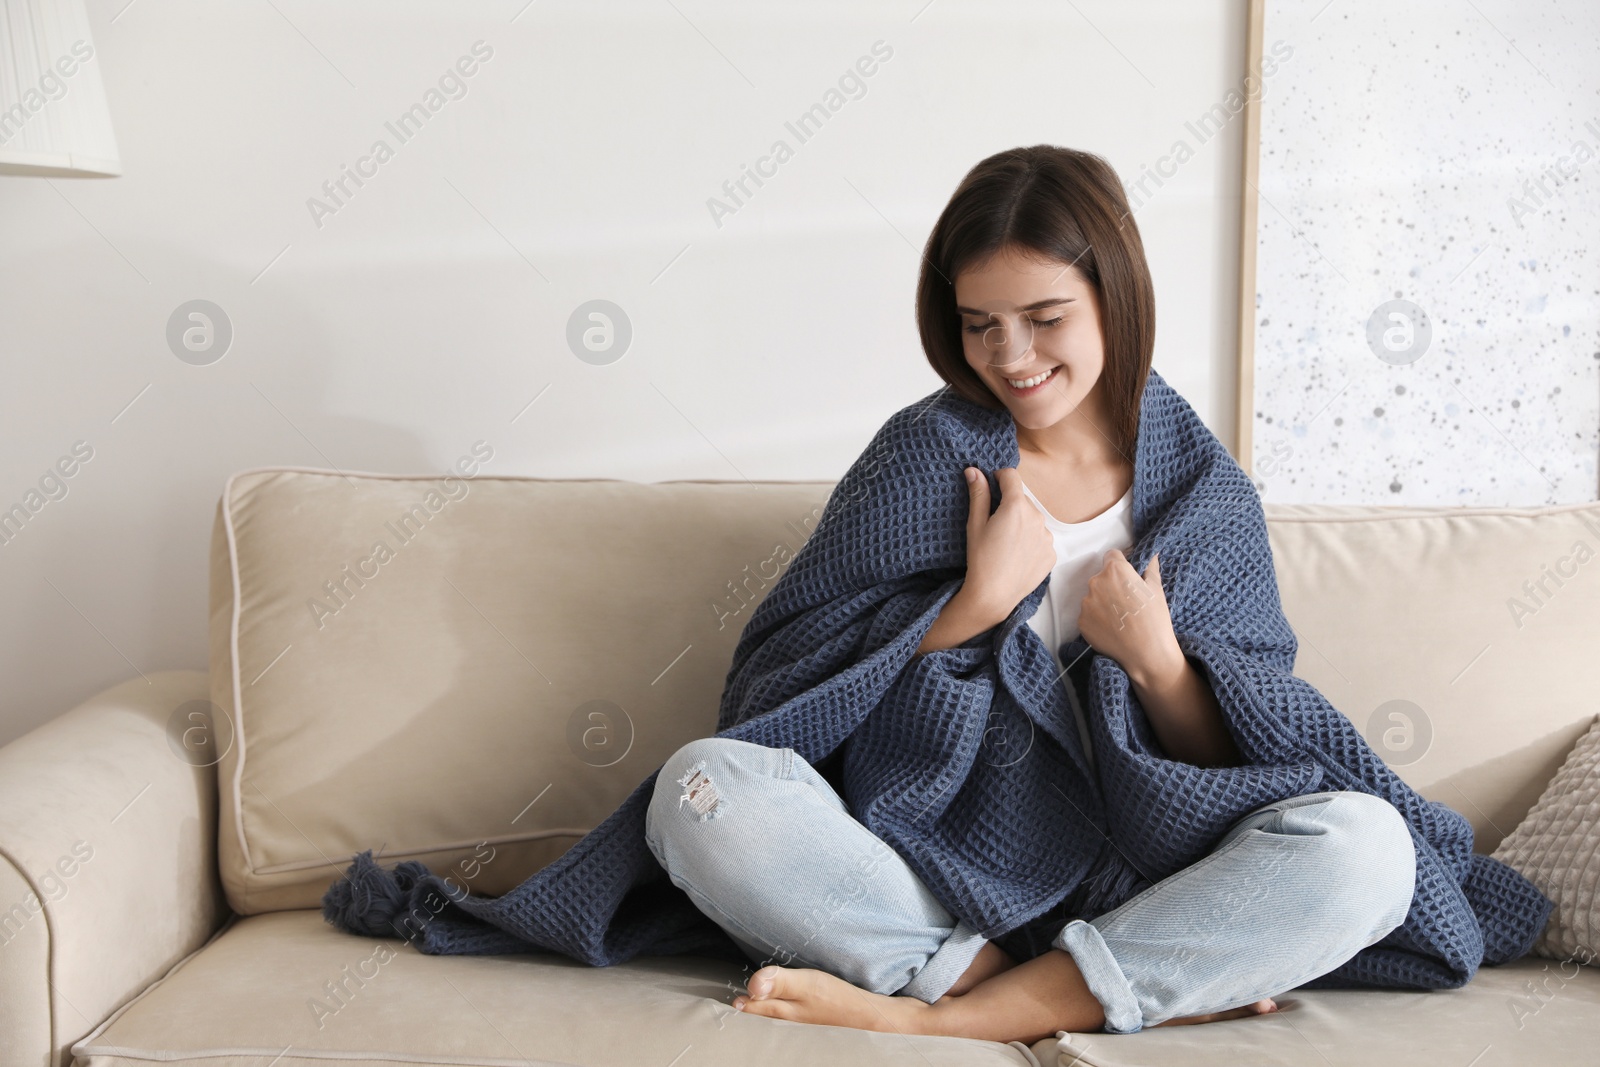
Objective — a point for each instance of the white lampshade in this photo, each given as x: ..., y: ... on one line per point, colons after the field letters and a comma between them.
x: 53, y: 116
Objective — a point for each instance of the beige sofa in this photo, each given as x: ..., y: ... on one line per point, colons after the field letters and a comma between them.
x: 522, y: 652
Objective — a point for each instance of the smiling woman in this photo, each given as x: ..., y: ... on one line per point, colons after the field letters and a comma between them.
x: 1067, y: 248
x: 1212, y: 834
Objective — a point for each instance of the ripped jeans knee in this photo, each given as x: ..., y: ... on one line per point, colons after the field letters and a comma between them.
x: 697, y: 782
x: 765, y: 847
x: 700, y: 792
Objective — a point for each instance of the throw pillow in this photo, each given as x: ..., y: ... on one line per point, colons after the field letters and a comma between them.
x: 1557, y: 848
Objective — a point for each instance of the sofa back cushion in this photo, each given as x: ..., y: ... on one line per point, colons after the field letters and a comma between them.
x: 473, y: 671
x: 1460, y: 641
x: 466, y: 671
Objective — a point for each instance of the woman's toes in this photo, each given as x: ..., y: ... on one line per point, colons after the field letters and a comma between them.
x: 770, y: 1008
x: 1261, y: 1007
x: 769, y: 992
x: 764, y: 982
x: 773, y: 998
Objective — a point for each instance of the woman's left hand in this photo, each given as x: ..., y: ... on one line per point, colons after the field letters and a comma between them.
x: 1125, y: 616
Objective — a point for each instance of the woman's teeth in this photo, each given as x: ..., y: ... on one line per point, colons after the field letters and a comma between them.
x: 1029, y: 383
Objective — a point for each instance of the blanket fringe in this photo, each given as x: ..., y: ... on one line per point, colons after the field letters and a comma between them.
x: 366, y: 901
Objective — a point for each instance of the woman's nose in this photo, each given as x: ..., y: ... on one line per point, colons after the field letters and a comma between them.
x: 1008, y: 343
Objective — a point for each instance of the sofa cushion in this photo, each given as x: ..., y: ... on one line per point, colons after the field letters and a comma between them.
x: 472, y: 671
x: 1528, y: 1013
x: 286, y: 989
x: 1459, y: 640
x: 1558, y: 847
x: 466, y: 670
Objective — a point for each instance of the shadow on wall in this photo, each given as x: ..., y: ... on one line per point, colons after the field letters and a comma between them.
x: 108, y: 578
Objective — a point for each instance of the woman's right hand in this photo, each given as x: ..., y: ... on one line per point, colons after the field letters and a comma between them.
x: 1008, y: 553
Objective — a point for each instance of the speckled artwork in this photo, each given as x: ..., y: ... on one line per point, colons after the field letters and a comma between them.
x: 1428, y: 281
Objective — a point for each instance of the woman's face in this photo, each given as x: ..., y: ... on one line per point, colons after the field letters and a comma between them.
x: 1030, y: 328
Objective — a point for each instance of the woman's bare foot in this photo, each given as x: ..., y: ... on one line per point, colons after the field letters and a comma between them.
x: 1260, y: 1007
x: 804, y: 995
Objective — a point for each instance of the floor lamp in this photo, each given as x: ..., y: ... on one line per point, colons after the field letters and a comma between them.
x: 54, y: 121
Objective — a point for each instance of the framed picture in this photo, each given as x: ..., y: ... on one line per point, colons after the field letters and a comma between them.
x: 1419, y: 286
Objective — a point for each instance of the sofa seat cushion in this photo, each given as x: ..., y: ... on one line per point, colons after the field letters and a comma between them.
x: 252, y: 997
x: 259, y: 994
x: 1528, y: 1013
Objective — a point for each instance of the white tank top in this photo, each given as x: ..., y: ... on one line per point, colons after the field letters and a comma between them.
x: 1080, y: 547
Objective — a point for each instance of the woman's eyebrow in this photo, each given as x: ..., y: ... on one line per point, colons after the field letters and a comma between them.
x: 1047, y: 302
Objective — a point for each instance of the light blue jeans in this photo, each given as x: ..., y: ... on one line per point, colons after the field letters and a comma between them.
x: 765, y: 847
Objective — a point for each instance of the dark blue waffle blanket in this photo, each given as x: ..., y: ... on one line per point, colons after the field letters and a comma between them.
x: 967, y: 760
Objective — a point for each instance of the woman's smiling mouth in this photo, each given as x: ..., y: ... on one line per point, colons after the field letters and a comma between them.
x: 1029, y: 386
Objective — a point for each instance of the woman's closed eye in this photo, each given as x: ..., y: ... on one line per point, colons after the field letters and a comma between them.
x: 985, y: 327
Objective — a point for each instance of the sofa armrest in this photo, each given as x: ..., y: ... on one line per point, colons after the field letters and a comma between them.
x: 108, y: 870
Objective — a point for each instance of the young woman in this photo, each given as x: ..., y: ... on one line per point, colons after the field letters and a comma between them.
x: 1034, y: 297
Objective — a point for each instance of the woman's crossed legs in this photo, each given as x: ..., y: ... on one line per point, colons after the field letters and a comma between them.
x: 846, y: 934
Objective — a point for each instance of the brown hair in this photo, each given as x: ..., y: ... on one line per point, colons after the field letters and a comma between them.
x: 1066, y: 205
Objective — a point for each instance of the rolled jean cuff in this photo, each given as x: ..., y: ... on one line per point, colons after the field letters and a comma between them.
x: 946, y: 965
x: 1102, y: 974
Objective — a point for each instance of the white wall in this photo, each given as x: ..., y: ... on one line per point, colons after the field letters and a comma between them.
x: 429, y: 310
